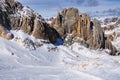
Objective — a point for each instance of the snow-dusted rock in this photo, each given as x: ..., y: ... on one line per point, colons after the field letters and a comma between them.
x: 17, y: 17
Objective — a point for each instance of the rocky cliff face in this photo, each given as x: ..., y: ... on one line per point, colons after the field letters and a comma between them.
x: 75, y: 27
x: 69, y: 25
x: 16, y: 17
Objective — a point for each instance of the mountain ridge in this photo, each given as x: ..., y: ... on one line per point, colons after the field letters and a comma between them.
x: 17, y: 17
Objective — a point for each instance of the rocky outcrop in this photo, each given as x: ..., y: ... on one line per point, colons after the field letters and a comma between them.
x: 75, y: 27
x: 11, y: 6
x: 66, y: 21
x: 16, y: 17
x: 112, y: 28
x: 43, y: 30
x: 69, y: 23
x: 4, y: 23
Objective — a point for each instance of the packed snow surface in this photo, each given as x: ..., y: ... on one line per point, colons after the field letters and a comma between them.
x: 48, y: 62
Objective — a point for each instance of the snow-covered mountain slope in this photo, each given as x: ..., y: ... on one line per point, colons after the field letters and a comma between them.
x: 27, y: 58
x: 111, y: 27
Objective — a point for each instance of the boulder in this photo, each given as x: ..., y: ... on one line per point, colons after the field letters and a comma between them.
x: 5, y: 33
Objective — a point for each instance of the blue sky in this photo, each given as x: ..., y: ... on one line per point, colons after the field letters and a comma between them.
x: 49, y: 8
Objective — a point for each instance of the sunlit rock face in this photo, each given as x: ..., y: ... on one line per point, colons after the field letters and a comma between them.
x: 74, y: 27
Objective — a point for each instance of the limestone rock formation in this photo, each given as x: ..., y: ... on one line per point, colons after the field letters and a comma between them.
x: 75, y: 27
x: 17, y: 17
x: 66, y: 21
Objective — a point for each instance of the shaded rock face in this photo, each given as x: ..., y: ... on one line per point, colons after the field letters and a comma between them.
x: 80, y: 28
x: 4, y: 26
x: 12, y: 6
x: 43, y: 30
x: 16, y: 17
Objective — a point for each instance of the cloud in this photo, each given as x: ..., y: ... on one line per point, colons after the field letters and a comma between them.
x: 88, y: 3
x: 78, y: 2
x: 36, y: 2
x: 51, y: 7
x: 92, y: 3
